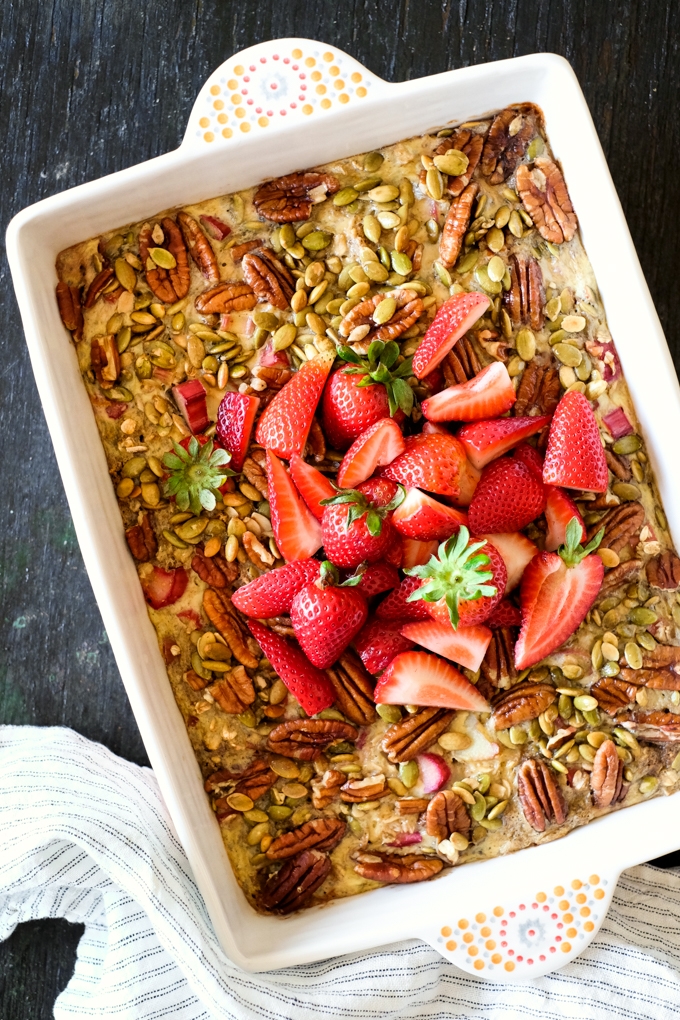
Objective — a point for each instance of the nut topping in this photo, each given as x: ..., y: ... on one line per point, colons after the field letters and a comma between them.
x: 269, y: 278
x: 358, y: 791
x: 226, y: 297
x: 105, y: 359
x: 657, y: 727
x: 68, y: 299
x: 456, y: 224
x: 526, y: 700
x: 618, y: 466
x: 545, y: 197
x: 524, y: 301
x: 142, y: 540
x: 234, y: 692
x: 409, y: 308
x: 406, y: 739
x: 214, y: 570
x: 290, y: 198
x: 614, y: 694
x: 199, y: 247
x: 169, y: 285
x: 306, y: 739
x: 660, y: 656
x: 606, y: 779
x: 620, y: 575
x: 498, y: 665
x: 327, y: 788
x: 253, y: 782
x: 221, y: 613
x: 397, y: 870
x: 256, y: 475
x: 622, y: 525
x: 540, y: 795
x: 664, y: 570
x: 98, y: 286
x: 446, y: 813
x: 510, y: 132
x: 471, y: 144
x: 539, y: 389
x: 461, y: 363
x: 289, y: 888
x: 353, y: 686
x: 320, y: 834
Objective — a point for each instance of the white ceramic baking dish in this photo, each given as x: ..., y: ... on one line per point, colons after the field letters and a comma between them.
x: 277, y: 107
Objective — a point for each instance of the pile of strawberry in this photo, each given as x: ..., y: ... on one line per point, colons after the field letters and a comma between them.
x: 445, y: 509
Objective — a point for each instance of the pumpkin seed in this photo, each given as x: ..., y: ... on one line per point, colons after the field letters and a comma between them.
x: 143, y: 318
x: 587, y: 752
x: 496, y: 269
x: 648, y: 785
x: 497, y: 811
x: 240, y: 802
x: 124, y: 488
x: 585, y: 703
x: 495, y: 239
x: 409, y: 773
x: 467, y: 262
x: 125, y: 275
x: 573, y: 323
x: 284, y: 767
x: 384, y: 256
x: 284, y: 337
x: 585, y: 368
x: 434, y: 183
x: 515, y: 224
x: 358, y: 290
x: 367, y: 184
x: 401, y: 263
x: 388, y: 220
x: 375, y: 272
x: 373, y: 161
x: 383, y: 193
x: 610, y: 669
x: 526, y: 344
x: 518, y: 736
x: 163, y: 258
x: 390, y: 713
x: 642, y: 617
x: 345, y: 196
x: 478, y: 809
x: 123, y: 338
x: 485, y: 282
x: 625, y: 491
x: 172, y: 538
x: 317, y: 240
x: 384, y: 311
x: 627, y: 444
x: 133, y: 468
x: 515, y: 367
x: 454, y: 162
x: 432, y: 229
x: 192, y: 529
x: 177, y: 322
x: 371, y: 228
x: 568, y: 355
x: 536, y: 147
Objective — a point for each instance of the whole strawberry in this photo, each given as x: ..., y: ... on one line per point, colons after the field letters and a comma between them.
x: 365, y: 391
x: 356, y: 530
x: 508, y: 497
x: 326, y: 615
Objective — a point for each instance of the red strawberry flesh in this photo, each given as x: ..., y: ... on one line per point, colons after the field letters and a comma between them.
x: 285, y: 423
x: 417, y: 678
x: 487, y: 395
x: 574, y: 457
x: 484, y: 441
x: 312, y: 485
x: 377, y: 446
x: 235, y: 420
x: 508, y: 497
x: 297, y: 532
x: 424, y: 518
x: 559, y: 510
x: 164, y: 587
x: 309, y: 685
x: 453, y: 319
x: 467, y: 645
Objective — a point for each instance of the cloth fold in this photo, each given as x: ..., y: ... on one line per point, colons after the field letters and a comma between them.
x: 85, y: 836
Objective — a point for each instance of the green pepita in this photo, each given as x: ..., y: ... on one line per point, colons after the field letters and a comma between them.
x: 345, y: 196
x: 384, y: 311
x: 626, y: 491
x: 383, y: 193
x: 409, y: 773
x: 467, y: 263
x: 627, y: 444
x: 585, y: 703
x: 454, y: 162
x: 163, y: 258
x: 642, y: 617
x: 390, y: 713
x: 485, y: 282
x: 401, y: 263
x: 284, y: 337
x: 478, y: 809
x: 568, y: 354
x: 373, y: 161
x: 496, y: 269
x: 434, y: 183
x: 192, y: 529
x: 495, y: 239
x: 125, y: 275
x: 536, y: 147
x: 515, y: 224
x: 648, y: 785
x: 317, y: 240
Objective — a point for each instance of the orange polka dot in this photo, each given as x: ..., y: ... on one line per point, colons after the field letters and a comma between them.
x: 227, y: 133
x: 296, y: 53
x: 356, y: 76
x: 321, y: 90
x: 316, y: 76
x: 571, y: 933
x: 496, y: 958
x: 307, y: 109
x: 245, y: 127
x: 581, y: 898
x: 232, y: 84
x: 325, y: 104
x: 361, y: 92
x: 472, y: 950
x: 563, y: 904
x: 239, y: 111
x: 490, y: 944
x: 222, y: 118
x: 310, y: 62
x: 567, y: 918
x: 497, y: 911
x: 209, y: 136
x: 236, y: 99
x: 480, y: 918
x: 559, y: 890
x: 468, y: 937
x: 566, y: 947
x: 541, y: 897
x: 588, y: 926
x: 343, y: 98
x: 463, y: 923
x: 451, y: 945
x: 338, y: 84
x: 509, y: 965
x: 594, y: 879
x: 218, y: 104
x: 599, y: 894
x: 446, y: 931
x: 576, y: 884
x: 214, y: 90
x: 328, y: 57
x: 334, y: 70
x: 204, y: 122
x: 584, y: 911
x: 239, y: 69
x: 479, y: 965
x: 263, y: 121
x: 485, y: 932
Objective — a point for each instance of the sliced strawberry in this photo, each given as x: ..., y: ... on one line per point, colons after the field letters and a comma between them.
x: 509, y: 496
x: 416, y: 678
x: 467, y: 645
x: 517, y: 551
x: 484, y: 441
x: 190, y: 397
x: 487, y: 395
x: 431, y: 462
x: 164, y: 587
x: 396, y: 606
x: 415, y: 553
x: 272, y: 593
x: 453, y: 319
x: 311, y: 484
x: 506, y: 614
x: 557, y: 592
x: 574, y: 457
x: 531, y: 458
x: 559, y: 510
x: 376, y: 447
x: 235, y: 420
x: 378, y: 643
x: 285, y: 423
x: 424, y: 518
x: 309, y: 685
x: 377, y: 578
x: 296, y: 530
x: 435, y: 427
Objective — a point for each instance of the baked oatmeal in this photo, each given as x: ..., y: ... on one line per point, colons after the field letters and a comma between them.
x: 390, y: 508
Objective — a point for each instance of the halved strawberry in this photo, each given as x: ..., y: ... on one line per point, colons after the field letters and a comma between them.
x: 376, y: 447
x: 557, y: 592
x: 415, y: 553
x: 453, y: 319
x: 574, y: 457
x: 296, y: 530
x: 378, y: 643
x: 431, y: 462
x: 424, y: 518
x: 484, y: 441
x: 164, y: 587
x: 311, y: 484
x: 506, y: 614
x: 435, y: 427
x: 467, y: 645
x: 235, y: 419
x: 486, y: 395
x: 273, y: 592
x: 509, y: 496
x: 517, y: 551
x: 531, y: 458
x: 417, y: 678
x: 285, y: 423
x: 309, y: 685
x: 377, y: 578
x: 396, y: 607
x: 559, y: 510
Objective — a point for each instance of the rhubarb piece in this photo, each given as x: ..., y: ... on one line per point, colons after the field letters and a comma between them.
x: 190, y: 397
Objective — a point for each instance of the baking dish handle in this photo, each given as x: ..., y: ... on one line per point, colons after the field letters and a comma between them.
x: 266, y: 86
x: 532, y: 932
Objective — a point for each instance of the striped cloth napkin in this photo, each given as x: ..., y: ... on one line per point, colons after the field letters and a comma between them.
x: 86, y: 836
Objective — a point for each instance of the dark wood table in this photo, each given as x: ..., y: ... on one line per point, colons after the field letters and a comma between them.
x: 87, y: 88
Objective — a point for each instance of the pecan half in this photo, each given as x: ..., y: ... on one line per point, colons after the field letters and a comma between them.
x: 221, y: 613
x: 471, y: 144
x: 142, y: 540
x: 498, y: 665
x: 316, y: 442
x: 618, y: 466
x: 98, y: 286
x: 239, y: 250
x: 511, y: 131
x: 169, y: 285
x: 613, y: 694
x: 320, y: 833
x: 289, y: 888
x: 540, y: 795
x: 660, y: 656
x: 327, y: 788
x: 524, y: 301
x: 353, y: 686
x: 105, y: 359
x: 226, y: 297
x: 290, y: 198
x: 254, y: 781
x: 68, y: 299
x: 606, y: 779
x: 234, y: 692
x: 664, y: 570
x: 359, y: 791
x: 622, y: 525
x: 412, y: 805
x: 306, y: 739
x: 406, y: 739
x: 409, y: 308
x: 622, y: 574
x: 397, y: 870
x: 524, y: 701
x: 545, y: 197
x: 456, y: 224
x: 275, y: 376
x: 199, y: 247
x: 256, y: 475
x: 539, y: 390
x: 196, y: 682
x: 656, y: 727
x: 446, y: 813
x: 654, y: 679
x: 461, y: 363
x: 269, y: 278
x: 209, y: 570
